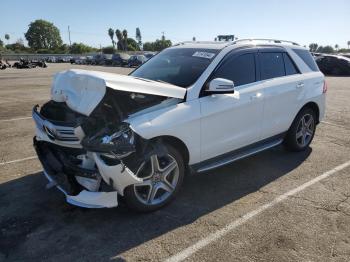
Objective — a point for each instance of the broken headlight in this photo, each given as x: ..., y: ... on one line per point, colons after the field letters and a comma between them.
x: 117, y: 144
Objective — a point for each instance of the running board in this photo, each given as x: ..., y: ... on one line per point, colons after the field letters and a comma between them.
x: 237, y: 155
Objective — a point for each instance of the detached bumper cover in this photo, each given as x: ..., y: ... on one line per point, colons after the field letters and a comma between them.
x: 61, y: 173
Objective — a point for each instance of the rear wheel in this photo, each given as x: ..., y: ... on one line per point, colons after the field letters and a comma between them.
x: 162, y: 178
x: 302, y: 131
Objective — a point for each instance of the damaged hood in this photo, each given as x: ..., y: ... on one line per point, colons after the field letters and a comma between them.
x: 82, y: 90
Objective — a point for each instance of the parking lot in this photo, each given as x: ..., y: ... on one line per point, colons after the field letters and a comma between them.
x: 275, y: 206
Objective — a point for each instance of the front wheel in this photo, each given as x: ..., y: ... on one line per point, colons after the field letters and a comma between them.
x: 302, y: 131
x: 162, y: 178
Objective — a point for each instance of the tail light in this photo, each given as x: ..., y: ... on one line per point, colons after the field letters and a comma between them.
x: 324, y: 87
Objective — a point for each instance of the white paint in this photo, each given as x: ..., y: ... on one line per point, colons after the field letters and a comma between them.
x: 15, y: 119
x: 18, y: 160
x: 186, y: 253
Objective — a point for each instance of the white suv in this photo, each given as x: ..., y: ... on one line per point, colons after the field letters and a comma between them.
x: 191, y: 108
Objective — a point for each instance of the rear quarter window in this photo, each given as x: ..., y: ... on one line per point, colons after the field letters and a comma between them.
x: 307, y: 58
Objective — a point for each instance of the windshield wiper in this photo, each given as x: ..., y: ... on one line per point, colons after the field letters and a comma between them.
x: 161, y: 81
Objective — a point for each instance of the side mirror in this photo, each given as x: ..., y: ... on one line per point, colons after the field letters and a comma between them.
x: 220, y: 86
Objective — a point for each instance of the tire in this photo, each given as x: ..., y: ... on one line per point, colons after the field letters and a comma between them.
x: 302, y: 131
x: 138, y: 197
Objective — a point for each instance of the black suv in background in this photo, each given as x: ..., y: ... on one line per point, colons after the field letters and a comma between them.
x: 120, y: 59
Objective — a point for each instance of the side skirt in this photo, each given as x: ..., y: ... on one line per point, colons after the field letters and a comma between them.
x: 237, y: 154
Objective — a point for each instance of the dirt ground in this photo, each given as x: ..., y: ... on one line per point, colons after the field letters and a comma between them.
x: 313, y: 225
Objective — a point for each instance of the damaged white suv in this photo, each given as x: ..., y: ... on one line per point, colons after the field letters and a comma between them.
x: 195, y: 106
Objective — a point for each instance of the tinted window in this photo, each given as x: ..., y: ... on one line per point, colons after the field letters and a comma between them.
x: 307, y: 58
x: 289, y: 65
x: 178, y: 66
x: 272, y: 65
x: 241, y: 69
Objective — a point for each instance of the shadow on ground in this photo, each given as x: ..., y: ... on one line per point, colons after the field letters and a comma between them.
x: 36, y: 224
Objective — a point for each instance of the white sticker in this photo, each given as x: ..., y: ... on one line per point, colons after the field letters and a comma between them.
x: 204, y: 55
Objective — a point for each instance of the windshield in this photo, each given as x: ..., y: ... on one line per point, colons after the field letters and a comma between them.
x: 177, y: 66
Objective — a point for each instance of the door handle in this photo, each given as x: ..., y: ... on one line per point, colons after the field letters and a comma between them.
x: 255, y: 96
x: 300, y: 85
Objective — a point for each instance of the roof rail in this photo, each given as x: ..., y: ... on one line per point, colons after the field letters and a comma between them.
x: 202, y: 42
x: 276, y: 41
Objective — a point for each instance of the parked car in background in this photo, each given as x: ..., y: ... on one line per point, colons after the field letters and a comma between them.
x: 107, y: 59
x: 195, y: 106
x: 51, y: 59
x: 333, y: 64
x: 121, y: 59
x: 80, y: 60
x: 149, y: 55
x: 136, y: 60
x: 345, y: 54
x: 89, y: 60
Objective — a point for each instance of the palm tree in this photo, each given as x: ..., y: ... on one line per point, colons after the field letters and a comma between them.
x: 111, y: 35
x: 194, y: 39
x: 138, y: 37
x: 7, y: 37
x: 348, y: 44
x: 125, y: 36
x: 120, y: 45
x: 336, y: 47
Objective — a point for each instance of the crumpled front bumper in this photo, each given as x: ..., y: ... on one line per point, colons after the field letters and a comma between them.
x: 95, y: 187
x: 63, y: 175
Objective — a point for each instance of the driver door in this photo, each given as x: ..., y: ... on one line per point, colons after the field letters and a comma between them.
x: 232, y: 121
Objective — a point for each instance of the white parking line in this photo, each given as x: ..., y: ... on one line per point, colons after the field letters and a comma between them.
x: 332, y: 124
x: 186, y: 253
x: 15, y: 119
x: 18, y: 160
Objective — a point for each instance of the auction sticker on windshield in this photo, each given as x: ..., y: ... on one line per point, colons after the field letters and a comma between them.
x: 204, y: 55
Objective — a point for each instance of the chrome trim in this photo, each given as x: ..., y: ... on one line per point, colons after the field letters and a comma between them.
x: 225, y: 162
x: 55, y: 132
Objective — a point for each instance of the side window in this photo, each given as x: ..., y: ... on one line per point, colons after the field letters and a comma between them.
x: 307, y: 58
x: 289, y: 65
x: 272, y: 65
x: 241, y: 69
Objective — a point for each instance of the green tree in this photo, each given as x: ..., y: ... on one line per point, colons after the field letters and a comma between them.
x: 194, y: 39
x: 138, y: 37
x: 80, y: 48
x: 1, y: 43
x: 313, y: 47
x: 133, y: 45
x: 43, y: 35
x: 120, y: 44
x: 348, y: 44
x: 7, y: 37
x: 111, y: 35
x: 336, y: 47
x: 108, y: 50
x: 125, y: 38
x: 325, y: 49
x: 158, y: 45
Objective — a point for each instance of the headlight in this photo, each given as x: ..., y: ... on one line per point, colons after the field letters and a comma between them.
x: 119, y: 144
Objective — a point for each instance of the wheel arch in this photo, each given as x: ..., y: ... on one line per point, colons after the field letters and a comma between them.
x: 177, y: 144
x: 314, y: 106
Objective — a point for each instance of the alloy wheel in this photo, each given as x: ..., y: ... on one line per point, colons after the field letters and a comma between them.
x: 160, y: 176
x: 305, y: 130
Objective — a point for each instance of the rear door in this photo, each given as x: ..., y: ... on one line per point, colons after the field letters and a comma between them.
x: 283, y: 83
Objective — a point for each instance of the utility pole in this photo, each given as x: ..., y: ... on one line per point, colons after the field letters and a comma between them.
x: 70, y: 43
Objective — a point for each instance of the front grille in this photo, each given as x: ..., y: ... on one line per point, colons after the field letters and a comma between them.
x: 54, y: 131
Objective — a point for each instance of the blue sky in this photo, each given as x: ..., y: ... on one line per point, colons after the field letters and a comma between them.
x: 321, y: 21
